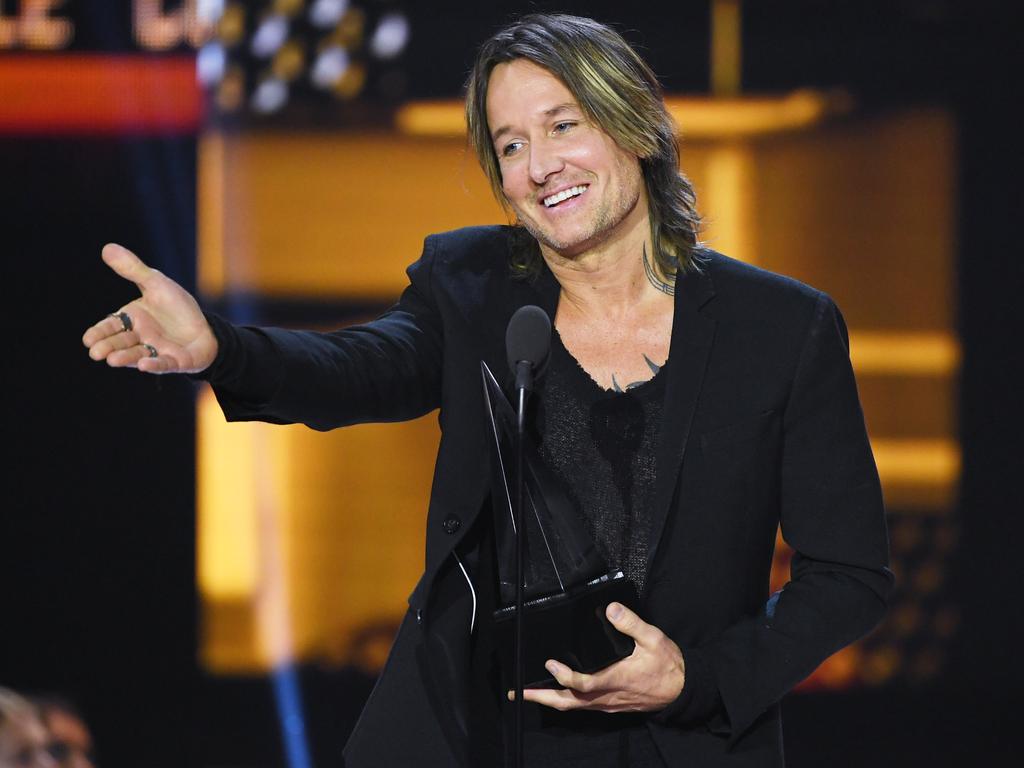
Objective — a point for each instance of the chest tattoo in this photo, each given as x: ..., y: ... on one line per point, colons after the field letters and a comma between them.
x: 616, y: 387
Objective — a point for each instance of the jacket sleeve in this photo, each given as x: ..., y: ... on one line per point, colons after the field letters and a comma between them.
x: 832, y: 515
x: 385, y: 370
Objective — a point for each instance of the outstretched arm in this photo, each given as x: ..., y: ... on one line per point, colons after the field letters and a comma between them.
x: 162, y: 331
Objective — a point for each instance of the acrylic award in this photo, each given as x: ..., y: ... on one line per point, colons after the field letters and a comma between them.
x: 567, y: 585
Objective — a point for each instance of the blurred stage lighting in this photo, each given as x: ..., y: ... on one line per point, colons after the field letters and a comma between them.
x: 270, y: 95
x: 326, y: 62
x: 329, y: 67
x: 211, y: 63
x: 289, y: 62
x: 209, y: 11
x: 324, y: 14
x: 390, y: 37
x: 270, y: 35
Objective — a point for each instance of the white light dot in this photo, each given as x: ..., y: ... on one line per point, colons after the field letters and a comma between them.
x: 270, y: 35
x: 211, y: 61
x: 390, y: 36
x: 270, y: 95
x: 327, y: 13
x: 209, y: 11
x: 329, y: 66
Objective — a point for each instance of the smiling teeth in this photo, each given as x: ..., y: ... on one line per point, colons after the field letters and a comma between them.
x: 565, y: 194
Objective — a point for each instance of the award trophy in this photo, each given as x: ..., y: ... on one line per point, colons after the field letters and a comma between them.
x: 567, y: 585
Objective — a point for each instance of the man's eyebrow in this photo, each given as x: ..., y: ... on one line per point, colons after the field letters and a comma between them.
x: 558, y: 109
x: 568, y: 106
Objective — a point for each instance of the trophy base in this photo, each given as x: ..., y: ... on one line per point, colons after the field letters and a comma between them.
x: 570, y: 627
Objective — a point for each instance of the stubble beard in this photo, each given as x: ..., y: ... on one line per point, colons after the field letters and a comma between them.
x: 609, y: 215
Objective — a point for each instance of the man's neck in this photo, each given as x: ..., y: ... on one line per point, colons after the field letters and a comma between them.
x: 615, y: 279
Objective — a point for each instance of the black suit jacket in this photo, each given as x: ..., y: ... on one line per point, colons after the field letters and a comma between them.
x: 762, y: 425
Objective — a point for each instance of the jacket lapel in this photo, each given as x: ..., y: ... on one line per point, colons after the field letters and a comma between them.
x: 692, y: 336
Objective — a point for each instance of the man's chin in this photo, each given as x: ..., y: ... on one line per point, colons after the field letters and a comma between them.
x: 567, y: 246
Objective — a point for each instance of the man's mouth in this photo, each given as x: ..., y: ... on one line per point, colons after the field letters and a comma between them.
x: 565, y: 194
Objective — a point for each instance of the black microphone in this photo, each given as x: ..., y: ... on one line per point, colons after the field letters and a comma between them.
x: 527, y: 344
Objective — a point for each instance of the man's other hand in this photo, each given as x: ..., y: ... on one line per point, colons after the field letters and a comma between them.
x: 162, y: 331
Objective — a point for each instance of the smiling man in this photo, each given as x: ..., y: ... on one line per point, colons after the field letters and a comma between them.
x: 573, y: 188
x: 691, y: 405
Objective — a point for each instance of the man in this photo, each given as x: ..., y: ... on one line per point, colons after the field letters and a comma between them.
x: 23, y: 739
x: 691, y: 403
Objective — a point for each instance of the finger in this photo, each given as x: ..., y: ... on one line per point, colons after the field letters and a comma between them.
x: 108, y: 326
x: 563, y: 700
x: 577, y: 681
x: 161, y: 363
x: 126, y: 264
x: 628, y: 623
x: 127, y: 358
x: 141, y: 356
x: 99, y: 350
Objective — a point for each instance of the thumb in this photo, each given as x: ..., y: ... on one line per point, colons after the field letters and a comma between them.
x: 623, y: 619
x: 629, y: 623
x: 126, y: 264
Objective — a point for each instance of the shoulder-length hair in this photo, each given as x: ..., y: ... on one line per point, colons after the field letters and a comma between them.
x: 617, y: 91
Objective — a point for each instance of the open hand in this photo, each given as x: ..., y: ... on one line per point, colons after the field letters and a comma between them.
x: 649, y: 679
x: 163, y: 331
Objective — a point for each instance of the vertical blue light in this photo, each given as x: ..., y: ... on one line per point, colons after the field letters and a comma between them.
x: 289, y: 713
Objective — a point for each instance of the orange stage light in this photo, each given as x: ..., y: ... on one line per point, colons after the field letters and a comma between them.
x: 69, y: 94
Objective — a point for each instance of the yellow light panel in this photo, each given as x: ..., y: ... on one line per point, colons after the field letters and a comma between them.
x: 917, y: 462
x: 227, y: 526
x: 699, y: 118
x: 913, y: 354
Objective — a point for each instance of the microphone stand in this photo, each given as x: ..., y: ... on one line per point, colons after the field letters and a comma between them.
x: 524, y: 376
x: 527, y: 342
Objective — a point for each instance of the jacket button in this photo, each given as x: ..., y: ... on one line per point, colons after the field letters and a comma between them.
x: 451, y: 524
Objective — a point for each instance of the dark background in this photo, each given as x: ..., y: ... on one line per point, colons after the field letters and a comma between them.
x: 97, y: 592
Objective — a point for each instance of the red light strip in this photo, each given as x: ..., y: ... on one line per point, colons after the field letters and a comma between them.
x: 82, y: 94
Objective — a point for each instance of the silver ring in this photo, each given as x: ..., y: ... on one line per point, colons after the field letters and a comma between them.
x: 150, y: 349
x: 125, y: 318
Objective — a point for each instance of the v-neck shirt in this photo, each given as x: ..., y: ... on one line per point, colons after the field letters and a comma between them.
x: 602, y: 445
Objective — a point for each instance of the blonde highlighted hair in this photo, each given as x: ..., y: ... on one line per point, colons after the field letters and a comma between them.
x: 617, y: 91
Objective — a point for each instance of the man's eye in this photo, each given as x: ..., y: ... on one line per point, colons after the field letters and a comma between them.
x: 511, y: 148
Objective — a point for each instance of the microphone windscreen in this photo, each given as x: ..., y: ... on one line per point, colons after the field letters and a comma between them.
x: 528, y: 337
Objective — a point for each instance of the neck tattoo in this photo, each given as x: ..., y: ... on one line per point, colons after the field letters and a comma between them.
x: 668, y: 288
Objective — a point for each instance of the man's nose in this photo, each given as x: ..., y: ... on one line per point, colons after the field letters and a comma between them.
x: 544, y: 161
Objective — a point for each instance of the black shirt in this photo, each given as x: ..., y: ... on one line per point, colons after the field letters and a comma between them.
x: 602, y: 445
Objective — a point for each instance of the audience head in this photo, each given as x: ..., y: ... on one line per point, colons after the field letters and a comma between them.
x: 70, y: 742
x: 23, y: 737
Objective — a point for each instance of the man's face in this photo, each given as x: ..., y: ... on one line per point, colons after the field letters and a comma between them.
x: 570, y: 184
x: 23, y: 743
